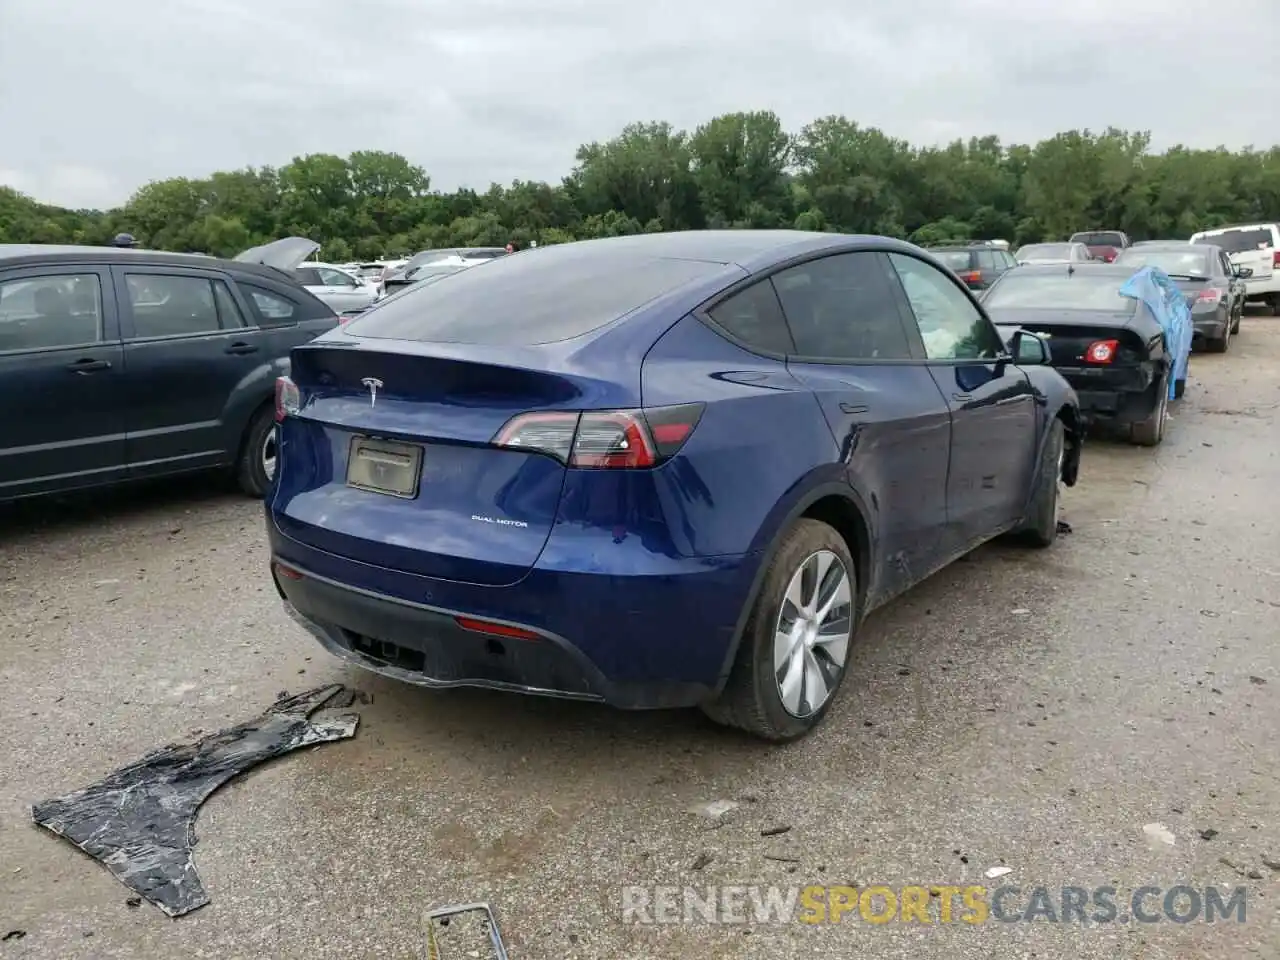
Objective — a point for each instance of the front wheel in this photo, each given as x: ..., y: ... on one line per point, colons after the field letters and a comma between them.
x: 795, y: 646
x: 256, y: 467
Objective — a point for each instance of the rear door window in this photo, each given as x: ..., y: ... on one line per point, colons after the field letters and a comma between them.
x: 166, y: 305
x: 50, y: 311
x: 843, y: 308
x: 334, y: 278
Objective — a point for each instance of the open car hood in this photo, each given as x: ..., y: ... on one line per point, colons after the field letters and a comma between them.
x: 283, y: 254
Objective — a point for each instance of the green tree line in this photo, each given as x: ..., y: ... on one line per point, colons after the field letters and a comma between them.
x: 736, y: 170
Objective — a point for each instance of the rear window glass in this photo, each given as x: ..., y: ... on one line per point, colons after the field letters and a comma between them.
x: 1099, y: 239
x: 1178, y: 263
x: 1239, y: 241
x: 1045, y: 251
x: 955, y: 259
x: 1059, y: 291
x: 521, y: 301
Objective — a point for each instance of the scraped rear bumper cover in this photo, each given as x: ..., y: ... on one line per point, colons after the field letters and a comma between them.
x: 425, y: 646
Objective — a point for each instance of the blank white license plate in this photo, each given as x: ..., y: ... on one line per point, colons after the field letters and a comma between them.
x: 383, y: 466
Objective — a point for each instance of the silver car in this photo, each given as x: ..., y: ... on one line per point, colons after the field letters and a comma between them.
x: 1053, y: 253
x: 341, y: 290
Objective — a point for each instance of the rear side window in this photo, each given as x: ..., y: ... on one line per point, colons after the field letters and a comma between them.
x: 955, y: 259
x: 308, y: 277
x: 521, y: 301
x: 165, y: 305
x: 754, y: 317
x: 986, y: 260
x: 843, y: 308
x: 1241, y: 241
x: 271, y: 307
x: 43, y: 313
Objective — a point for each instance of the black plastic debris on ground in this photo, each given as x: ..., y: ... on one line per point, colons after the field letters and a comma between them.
x: 139, y: 821
x: 1064, y: 527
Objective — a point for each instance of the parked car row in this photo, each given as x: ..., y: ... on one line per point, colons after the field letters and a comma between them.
x: 529, y: 475
x: 122, y: 364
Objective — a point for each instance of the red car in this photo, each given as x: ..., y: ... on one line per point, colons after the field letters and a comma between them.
x: 1103, y: 244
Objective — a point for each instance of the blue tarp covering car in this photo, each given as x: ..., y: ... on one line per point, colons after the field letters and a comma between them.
x: 1153, y: 287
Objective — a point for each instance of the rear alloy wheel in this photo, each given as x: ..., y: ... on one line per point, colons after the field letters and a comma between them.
x: 256, y: 467
x: 1150, y: 432
x: 795, y: 646
x: 1041, y: 527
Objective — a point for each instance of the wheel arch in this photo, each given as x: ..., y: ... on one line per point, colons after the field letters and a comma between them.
x: 1073, y: 424
x: 839, y: 506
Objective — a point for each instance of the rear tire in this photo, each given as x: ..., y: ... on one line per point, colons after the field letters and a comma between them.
x: 1221, y: 344
x: 255, y: 467
x: 1041, y: 527
x: 1150, y: 432
x: 753, y: 699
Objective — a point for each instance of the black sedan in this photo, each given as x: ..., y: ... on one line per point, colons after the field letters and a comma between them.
x: 1213, y: 285
x: 1110, y: 347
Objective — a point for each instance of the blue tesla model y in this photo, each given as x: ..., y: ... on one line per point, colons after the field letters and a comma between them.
x: 656, y: 471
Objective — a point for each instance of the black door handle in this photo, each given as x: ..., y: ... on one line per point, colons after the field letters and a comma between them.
x: 854, y: 407
x: 88, y: 365
x: 242, y: 348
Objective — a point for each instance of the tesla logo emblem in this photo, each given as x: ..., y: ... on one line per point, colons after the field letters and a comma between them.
x: 373, y: 385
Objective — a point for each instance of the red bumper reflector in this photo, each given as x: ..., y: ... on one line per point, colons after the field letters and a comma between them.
x: 289, y: 572
x: 494, y: 629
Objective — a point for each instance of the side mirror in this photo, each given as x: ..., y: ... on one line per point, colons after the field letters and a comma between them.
x: 1028, y: 349
x: 1244, y: 273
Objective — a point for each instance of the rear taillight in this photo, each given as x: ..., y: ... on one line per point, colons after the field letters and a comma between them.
x: 604, y: 439
x: 1102, y: 351
x: 1209, y: 296
x: 971, y: 276
x: 1275, y: 260
x: 287, y: 398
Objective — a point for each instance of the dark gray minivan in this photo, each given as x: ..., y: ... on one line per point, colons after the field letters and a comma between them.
x: 121, y: 364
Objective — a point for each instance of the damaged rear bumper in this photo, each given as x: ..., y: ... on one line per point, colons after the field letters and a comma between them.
x: 432, y: 647
x: 1118, y: 396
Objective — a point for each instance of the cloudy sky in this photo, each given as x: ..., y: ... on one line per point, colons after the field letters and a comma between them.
x: 98, y: 97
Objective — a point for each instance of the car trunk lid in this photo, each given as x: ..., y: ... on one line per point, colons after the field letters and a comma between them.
x: 389, y: 460
x: 1070, y: 333
x: 283, y: 254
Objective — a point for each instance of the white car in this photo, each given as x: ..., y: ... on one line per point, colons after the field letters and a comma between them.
x: 1053, y: 253
x: 1254, y: 247
x: 344, y: 292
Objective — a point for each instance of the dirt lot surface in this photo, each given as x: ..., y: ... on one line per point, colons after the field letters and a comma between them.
x: 1021, y: 709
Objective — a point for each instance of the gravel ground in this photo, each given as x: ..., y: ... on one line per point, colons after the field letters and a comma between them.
x: 1032, y: 710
